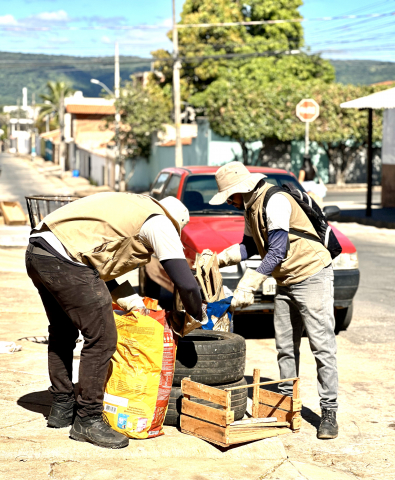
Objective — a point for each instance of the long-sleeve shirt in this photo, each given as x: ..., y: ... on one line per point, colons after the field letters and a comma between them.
x: 278, y: 213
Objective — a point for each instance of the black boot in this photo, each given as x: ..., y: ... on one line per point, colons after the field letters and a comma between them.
x: 62, y: 414
x: 95, y: 429
x: 328, y: 427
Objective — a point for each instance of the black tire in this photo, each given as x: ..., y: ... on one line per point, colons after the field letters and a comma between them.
x: 239, y: 402
x: 147, y: 287
x: 343, y: 317
x: 211, y: 358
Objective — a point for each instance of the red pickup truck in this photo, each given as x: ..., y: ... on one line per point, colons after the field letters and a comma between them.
x: 218, y: 226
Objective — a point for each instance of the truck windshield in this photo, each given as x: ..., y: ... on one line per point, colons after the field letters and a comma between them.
x: 200, y: 189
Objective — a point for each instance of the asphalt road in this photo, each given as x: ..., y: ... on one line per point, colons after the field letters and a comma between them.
x: 19, y: 179
x: 374, y: 303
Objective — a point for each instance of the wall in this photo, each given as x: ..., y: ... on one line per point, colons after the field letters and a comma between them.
x: 90, y: 165
x: 388, y: 178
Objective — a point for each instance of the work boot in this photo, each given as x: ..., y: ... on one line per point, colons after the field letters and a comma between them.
x: 96, y: 429
x: 328, y: 427
x: 62, y: 414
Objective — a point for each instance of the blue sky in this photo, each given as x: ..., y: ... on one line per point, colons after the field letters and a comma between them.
x: 87, y: 27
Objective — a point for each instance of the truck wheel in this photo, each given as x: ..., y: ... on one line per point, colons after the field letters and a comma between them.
x: 210, y: 357
x: 343, y: 317
x: 239, y: 402
x: 147, y: 287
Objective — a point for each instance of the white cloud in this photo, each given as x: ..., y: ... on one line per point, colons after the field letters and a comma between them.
x: 8, y: 20
x: 168, y: 22
x: 106, y: 39
x: 59, y: 16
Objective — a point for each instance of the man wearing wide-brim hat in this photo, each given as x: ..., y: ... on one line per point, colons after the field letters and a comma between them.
x: 301, y: 265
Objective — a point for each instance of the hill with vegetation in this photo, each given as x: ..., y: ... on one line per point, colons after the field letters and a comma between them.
x: 363, y: 72
x: 18, y: 70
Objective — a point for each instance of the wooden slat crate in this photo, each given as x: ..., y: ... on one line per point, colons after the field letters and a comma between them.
x: 272, y: 414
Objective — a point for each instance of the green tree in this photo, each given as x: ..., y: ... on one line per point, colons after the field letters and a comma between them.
x: 197, y: 75
x: 143, y: 112
x: 51, y: 105
x: 247, y: 110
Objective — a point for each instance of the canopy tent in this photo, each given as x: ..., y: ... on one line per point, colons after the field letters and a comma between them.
x: 378, y: 100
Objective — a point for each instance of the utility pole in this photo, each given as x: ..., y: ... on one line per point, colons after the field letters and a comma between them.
x: 369, y: 170
x: 62, y: 156
x: 176, y: 91
x: 18, y: 113
x: 33, y: 140
x: 119, y: 183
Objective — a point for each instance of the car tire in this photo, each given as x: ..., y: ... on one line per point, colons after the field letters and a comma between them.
x: 343, y: 317
x: 238, y: 405
x: 147, y: 287
x: 210, y: 357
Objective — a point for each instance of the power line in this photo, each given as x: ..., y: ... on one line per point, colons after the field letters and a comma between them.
x: 291, y: 20
x: 24, y: 28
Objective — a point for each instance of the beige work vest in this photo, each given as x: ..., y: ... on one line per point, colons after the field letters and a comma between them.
x: 305, y: 257
x: 102, y: 230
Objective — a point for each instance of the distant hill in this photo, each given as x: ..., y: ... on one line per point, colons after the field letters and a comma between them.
x: 363, y: 72
x: 18, y: 70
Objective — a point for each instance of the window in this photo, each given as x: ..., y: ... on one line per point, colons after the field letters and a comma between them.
x: 172, y: 186
x: 282, y: 179
x: 199, y: 190
x: 157, y: 189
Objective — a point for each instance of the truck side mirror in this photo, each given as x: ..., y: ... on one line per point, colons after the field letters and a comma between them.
x: 331, y: 212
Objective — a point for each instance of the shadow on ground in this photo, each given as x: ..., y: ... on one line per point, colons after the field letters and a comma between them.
x: 38, y: 402
x: 307, y: 414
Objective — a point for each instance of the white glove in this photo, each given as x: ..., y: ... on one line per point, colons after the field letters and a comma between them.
x: 133, y: 302
x: 229, y: 256
x: 243, y: 296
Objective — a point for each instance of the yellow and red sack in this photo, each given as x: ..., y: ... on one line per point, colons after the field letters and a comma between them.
x: 141, y: 373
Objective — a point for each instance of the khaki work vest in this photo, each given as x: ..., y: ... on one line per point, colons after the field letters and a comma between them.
x: 305, y: 257
x: 102, y: 230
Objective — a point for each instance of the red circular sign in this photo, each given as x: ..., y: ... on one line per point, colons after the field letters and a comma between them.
x: 307, y: 110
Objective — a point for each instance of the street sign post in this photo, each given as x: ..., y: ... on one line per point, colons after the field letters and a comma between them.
x: 307, y: 110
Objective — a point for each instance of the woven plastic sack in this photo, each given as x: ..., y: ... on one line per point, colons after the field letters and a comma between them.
x: 141, y: 373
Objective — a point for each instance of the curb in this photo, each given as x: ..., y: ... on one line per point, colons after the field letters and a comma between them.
x: 366, y: 221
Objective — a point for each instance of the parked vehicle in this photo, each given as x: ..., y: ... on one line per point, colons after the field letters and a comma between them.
x: 219, y: 226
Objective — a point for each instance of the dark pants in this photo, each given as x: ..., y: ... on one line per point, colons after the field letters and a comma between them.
x: 75, y: 298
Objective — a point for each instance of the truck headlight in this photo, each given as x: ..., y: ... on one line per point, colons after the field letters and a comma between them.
x: 345, y: 261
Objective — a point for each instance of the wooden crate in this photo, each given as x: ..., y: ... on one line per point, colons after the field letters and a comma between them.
x: 13, y: 213
x: 218, y: 426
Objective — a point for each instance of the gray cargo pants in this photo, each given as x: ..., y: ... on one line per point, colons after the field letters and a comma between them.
x: 308, y: 305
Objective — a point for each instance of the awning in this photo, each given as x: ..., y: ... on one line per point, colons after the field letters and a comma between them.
x: 384, y: 99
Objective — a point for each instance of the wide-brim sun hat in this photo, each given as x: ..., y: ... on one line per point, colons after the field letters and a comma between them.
x: 177, y: 210
x: 234, y: 178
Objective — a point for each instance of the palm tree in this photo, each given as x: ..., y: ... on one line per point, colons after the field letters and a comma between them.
x: 52, y: 99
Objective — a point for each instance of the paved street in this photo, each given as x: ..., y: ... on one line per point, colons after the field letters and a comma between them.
x: 364, y: 449
x: 19, y: 178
